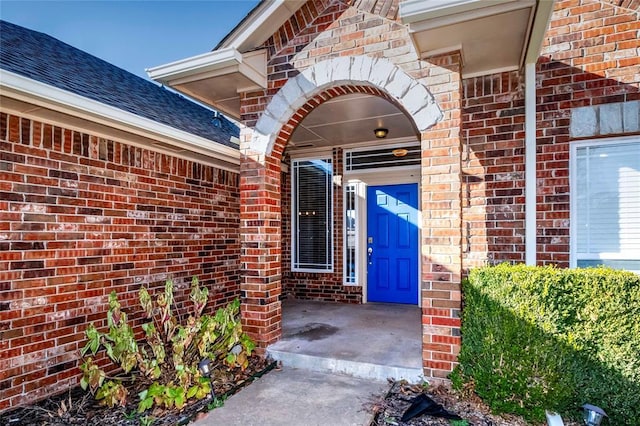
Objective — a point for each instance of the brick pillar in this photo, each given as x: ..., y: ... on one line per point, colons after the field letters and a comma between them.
x: 260, y: 228
x: 441, y: 223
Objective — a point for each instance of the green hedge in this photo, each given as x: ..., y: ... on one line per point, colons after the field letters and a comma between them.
x: 537, y: 338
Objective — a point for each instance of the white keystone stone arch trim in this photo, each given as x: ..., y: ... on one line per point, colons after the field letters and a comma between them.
x: 381, y: 73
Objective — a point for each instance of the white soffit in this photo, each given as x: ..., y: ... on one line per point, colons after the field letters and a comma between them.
x: 493, y: 35
x: 216, y: 78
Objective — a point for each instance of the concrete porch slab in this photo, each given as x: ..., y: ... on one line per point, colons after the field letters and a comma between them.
x: 372, y: 341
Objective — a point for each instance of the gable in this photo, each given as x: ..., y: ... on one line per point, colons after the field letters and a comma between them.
x: 349, y: 20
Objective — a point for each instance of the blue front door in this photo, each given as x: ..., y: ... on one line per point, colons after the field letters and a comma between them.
x: 392, y: 243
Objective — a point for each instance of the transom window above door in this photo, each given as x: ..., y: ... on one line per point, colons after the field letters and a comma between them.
x: 372, y: 158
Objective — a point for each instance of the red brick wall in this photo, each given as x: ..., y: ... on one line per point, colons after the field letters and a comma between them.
x: 283, y: 47
x: 631, y: 5
x: 493, y: 169
x: 590, y: 56
x: 441, y: 205
x: 82, y: 216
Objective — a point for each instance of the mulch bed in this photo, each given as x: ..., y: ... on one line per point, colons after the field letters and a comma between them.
x: 77, y: 407
x: 390, y: 408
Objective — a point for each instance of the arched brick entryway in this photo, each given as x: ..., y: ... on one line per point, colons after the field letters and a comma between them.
x: 357, y: 74
x: 262, y: 148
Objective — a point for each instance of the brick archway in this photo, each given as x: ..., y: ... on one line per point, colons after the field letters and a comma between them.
x: 337, y: 76
x: 260, y: 169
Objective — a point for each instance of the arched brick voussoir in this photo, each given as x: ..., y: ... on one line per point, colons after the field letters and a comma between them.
x: 363, y: 70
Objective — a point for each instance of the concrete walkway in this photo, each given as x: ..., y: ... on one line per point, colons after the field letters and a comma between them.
x: 299, y: 397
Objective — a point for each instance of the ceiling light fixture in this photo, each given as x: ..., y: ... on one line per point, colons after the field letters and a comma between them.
x: 381, y: 132
x: 399, y: 152
x: 216, y: 120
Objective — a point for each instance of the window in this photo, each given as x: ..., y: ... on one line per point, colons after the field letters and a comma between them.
x: 605, y: 213
x: 350, y: 221
x: 367, y: 159
x: 312, y: 215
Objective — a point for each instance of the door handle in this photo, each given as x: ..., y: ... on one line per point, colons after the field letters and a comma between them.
x: 369, y: 253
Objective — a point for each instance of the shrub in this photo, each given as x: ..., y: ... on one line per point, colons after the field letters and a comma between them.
x: 537, y: 338
x: 166, y: 361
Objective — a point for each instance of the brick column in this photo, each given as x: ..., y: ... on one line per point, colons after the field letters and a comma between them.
x: 260, y: 246
x: 441, y: 220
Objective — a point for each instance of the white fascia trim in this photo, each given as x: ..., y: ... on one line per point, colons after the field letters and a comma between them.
x: 253, y: 23
x: 47, y: 96
x: 544, y: 10
x: 417, y: 10
x: 230, y: 53
x: 195, y: 65
x: 213, y: 64
x: 443, y: 12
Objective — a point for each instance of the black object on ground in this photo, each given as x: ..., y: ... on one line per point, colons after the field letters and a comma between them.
x: 422, y: 404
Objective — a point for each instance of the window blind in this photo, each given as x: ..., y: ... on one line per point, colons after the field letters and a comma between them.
x: 608, y: 205
x: 312, y: 215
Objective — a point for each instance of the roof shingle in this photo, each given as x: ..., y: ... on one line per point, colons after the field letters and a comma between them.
x: 48, y: 60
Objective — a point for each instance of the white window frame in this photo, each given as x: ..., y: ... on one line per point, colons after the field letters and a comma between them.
x: 330, y: 208
x: 359, y: 190
x: 573, y: 183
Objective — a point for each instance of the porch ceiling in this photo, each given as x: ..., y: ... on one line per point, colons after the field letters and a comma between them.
x: 493, y: 35
x: 350, y: 119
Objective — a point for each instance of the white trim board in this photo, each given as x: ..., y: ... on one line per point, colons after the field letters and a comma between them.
x: 51, y: 98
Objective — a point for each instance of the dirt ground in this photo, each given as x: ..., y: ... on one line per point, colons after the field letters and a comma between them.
x: 77, y: 407
x: 390, y: 408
